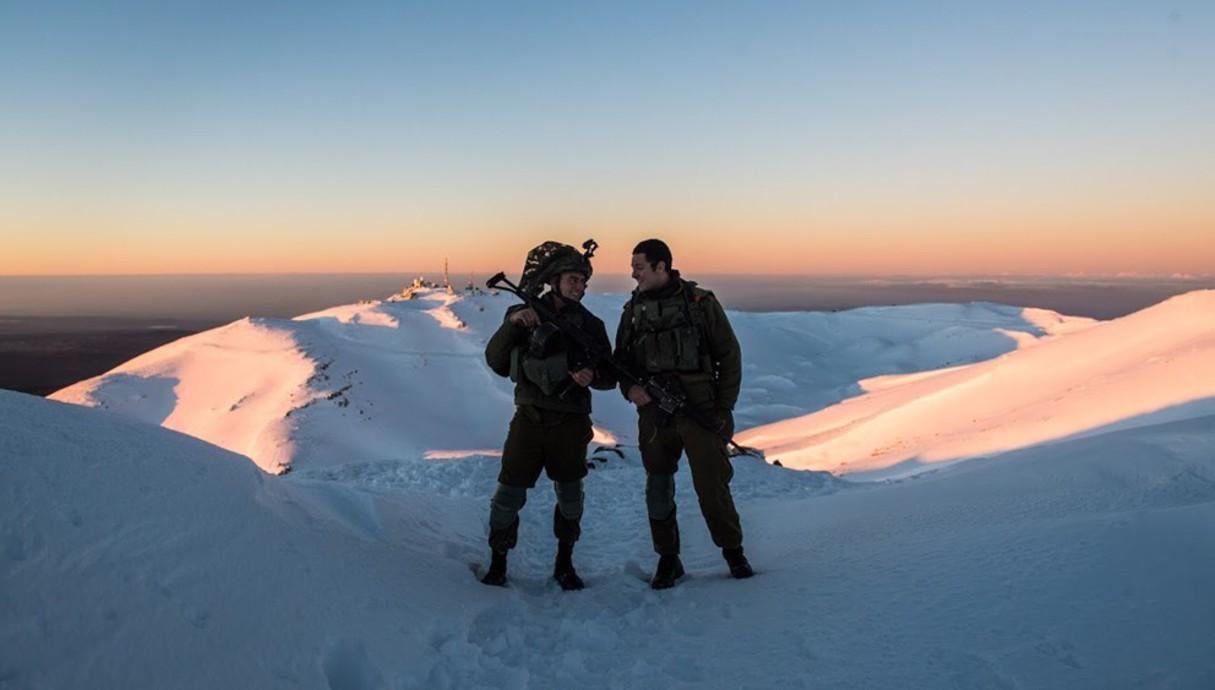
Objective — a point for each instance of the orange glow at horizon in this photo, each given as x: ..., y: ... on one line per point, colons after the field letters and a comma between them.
x: 973, y: 242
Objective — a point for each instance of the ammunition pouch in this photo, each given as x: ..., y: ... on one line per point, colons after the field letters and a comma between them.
x: 666, y: 334
x: 545, y: 359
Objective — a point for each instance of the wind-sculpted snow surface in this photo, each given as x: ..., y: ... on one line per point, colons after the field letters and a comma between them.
x: 232, y: 386
x: 360, y: 382
x: 800, y: 362
x: 407, y: 378
x: 1155, y: 365
x: 132, y: 556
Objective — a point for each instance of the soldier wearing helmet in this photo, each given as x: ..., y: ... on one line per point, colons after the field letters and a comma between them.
x: 552, y: 423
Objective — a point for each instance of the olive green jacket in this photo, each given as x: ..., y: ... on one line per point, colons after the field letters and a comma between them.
x: 510, y: 342
x: 716, y: 382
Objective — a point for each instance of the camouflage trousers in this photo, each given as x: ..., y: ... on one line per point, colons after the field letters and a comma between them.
x: 663, y: 442
x: 548, y: 441
x: 540, y: 441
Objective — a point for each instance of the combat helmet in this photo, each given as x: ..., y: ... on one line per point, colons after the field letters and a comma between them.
x: 551, y: 259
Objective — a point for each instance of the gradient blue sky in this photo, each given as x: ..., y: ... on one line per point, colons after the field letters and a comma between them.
x: 808, y: 137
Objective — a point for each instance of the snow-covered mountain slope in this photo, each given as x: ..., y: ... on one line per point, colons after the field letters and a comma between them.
x: 400, y: 379
x: 359, y: 382
x: 132, y: 556
x: 1154, y: 365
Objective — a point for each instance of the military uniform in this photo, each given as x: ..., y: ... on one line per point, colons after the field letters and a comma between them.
x: 552, y: 424
x: 680, y: 334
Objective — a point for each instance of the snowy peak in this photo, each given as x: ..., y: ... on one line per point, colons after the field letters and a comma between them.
x: 1157, y: 364
x: 406, y: 378
x: 233, y: 386
x: 276, y: 390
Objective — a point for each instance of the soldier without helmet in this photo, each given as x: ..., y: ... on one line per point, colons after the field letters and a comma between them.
x: 678, y: 332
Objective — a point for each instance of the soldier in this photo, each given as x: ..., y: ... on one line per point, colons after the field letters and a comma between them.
x: 552, y: 423
x: 679, y: 333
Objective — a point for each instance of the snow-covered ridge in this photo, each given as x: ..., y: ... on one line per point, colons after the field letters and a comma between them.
x: 1150, y: 366
x: 234, y: 386
x: 134, y: 556
x: 340, y: 385
x: 403, y: 379
x: 406, y: 378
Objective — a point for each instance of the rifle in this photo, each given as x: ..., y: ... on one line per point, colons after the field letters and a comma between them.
x: 669, y: 397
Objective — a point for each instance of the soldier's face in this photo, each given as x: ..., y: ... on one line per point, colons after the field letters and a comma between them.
x: 571, y: 286
x: 648, y: 277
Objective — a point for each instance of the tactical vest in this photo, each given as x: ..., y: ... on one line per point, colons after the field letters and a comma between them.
x: 666, y: 333
x: 545, y: 360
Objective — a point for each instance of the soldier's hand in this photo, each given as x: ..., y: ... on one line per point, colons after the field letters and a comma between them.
x: 583, y: 377
x: 726, y: 418
x: 524, y: 317
x: 639, y: 397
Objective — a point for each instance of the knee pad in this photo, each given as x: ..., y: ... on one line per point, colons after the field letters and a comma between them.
x: 504, y: 507
x: 570, y: 498
x: 660, y: 495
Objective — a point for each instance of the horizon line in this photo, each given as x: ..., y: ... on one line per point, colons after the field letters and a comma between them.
x: 424, y: 273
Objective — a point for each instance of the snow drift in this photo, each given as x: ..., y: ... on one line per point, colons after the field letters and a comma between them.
x: 406, y: 378
x: 133, y: 556
x: 1155, y: 365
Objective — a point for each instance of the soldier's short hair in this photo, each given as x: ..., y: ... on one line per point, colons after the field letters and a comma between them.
x: 655, y: 251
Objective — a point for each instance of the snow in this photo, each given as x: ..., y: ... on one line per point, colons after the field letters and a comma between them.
x: 1076, y: 551
x: 1127, y: 371
x: 387, y: 379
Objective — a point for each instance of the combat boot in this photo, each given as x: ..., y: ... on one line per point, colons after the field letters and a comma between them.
x: 739, y: 567
x: 670, y: 569
x: 501, y: 541
x: 563, y: 568
x: 496, y: 575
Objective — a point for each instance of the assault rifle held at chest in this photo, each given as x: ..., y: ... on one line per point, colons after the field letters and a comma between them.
x: 669, y: 398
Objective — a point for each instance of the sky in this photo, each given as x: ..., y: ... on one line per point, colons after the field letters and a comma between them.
x: 800, y: 137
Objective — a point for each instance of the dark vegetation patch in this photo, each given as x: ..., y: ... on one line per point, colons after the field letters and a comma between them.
x: 40, y: 355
